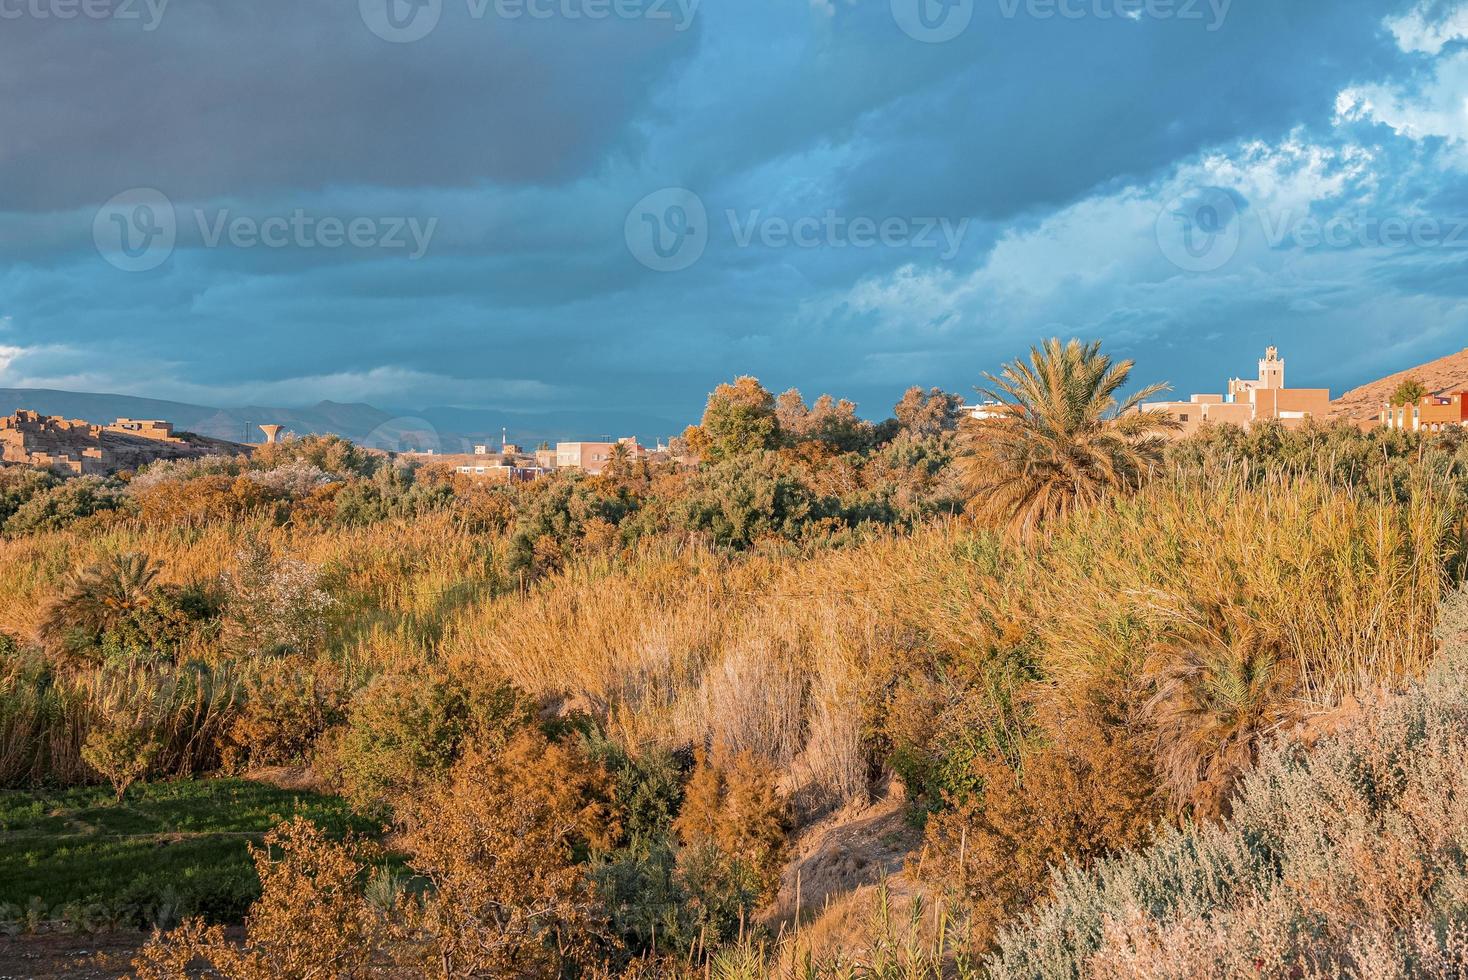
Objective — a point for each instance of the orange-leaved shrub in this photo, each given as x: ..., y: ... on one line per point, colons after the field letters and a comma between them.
x: 732, y: 826
x: 499, y: 851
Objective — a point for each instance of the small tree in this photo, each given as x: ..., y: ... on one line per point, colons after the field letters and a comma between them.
x: 925, y: 414
x: 740, y: 418
x: 121, y: 747
x: 275, y: 605
x: 1409, y: 392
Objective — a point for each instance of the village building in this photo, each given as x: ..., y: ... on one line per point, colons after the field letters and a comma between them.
x: 1430, y: 413
x: 1265, y: 398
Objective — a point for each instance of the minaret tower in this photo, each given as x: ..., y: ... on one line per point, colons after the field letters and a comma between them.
x: 1271, y: 369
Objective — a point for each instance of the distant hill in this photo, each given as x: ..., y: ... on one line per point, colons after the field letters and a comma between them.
x: 1444, y: 374
x: 443, y: 429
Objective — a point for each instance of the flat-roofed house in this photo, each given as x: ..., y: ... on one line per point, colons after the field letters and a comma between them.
x: 1249, y: 401
x: 1430, y: 413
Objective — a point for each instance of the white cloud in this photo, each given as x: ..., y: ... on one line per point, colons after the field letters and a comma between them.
x: 1437, y: 107
x: 8, y: 356
x: 1423, y: 31
x: 1103, y: 254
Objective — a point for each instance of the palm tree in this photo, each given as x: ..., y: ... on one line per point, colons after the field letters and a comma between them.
x: 99, y: 596
x: 621, y: 458
x: 1220, y: 683
x: 1059, y: 439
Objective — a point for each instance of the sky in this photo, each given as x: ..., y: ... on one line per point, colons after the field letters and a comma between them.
x: 594, y: 205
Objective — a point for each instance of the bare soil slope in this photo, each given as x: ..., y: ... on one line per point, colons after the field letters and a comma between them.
x: 1444, y: 374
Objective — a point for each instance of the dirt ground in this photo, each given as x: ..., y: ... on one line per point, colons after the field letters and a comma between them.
x: 68, y: 957
x: 852, y: 848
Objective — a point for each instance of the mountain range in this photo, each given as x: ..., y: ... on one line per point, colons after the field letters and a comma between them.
x: 443, y: 429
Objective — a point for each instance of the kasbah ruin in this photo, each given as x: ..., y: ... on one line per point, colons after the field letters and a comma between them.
x: 80, y: 448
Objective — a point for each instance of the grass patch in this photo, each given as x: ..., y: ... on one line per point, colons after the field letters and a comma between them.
x: 76, y: 858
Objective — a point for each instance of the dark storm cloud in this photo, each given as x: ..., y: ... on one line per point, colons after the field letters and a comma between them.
x: 1056, y: 141
x: 229, y: 98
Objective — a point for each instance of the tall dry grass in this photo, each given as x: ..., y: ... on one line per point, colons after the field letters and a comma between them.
x: 44, y: 718
x: 679, y: 645
x: 797, y: 659
x: 396, y: 582
x: 1352, y: 579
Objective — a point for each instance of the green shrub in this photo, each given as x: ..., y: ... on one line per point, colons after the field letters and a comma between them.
x: 56, y: 507
x: 403, y: 733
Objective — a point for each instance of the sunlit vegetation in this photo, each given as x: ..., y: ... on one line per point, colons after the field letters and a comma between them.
x: 604, y: 720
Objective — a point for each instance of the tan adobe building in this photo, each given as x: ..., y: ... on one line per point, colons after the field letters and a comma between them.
x: 1248, y: 401
x: 1431, y: 413
x: 146, y: 428
x: 593, y: 457
x: 81, y: 448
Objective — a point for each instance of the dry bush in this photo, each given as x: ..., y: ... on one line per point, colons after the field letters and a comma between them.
x: 500, y: 848
x: 288, y: 704
x: 401, y: 734
x: 1089, y: 794
x: 732, y: 807
x: 499, y: 845
x: 311, y: 920
x: 201, y: 500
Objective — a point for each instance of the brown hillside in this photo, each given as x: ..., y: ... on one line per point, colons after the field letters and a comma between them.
x: 1444, y: 374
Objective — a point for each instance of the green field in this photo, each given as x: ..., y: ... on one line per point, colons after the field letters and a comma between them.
x: 172, y: 849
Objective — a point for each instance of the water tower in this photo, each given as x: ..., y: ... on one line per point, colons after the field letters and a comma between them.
x: 272, y: 433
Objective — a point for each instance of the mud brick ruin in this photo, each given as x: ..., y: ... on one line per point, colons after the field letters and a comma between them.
x: 81, y: 448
